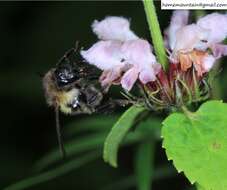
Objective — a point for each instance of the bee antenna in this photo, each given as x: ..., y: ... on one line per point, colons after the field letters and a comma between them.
x: 59, y: 135
x: 76, y: 46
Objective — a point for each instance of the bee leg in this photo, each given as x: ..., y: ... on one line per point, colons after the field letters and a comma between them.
x: 106, y: 108
x: 111, y: 105
x: 59, y: 134
x: 121, y: 102
x: 80, y: 112
x: 76, y: 46
x: 65, y: 56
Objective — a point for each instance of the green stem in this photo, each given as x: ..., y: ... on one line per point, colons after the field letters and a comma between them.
x: 214, y: 82
x: 199, y: 13
x: 156, y: 34
x: 196, y: 86
x: 144, y: 165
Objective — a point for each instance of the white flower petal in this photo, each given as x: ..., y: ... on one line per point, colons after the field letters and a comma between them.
x: 108, y: 76
x: 217, y: 25
x: 178, y: 20
x: 146, y: 76
x: 129, y: 78
x: 121, y: 52
x: 208, y: 62
x: 219, y: 50
x: 138, y: 52
x: 190, y: 37
x: 105, y: 55
x: 113, y: 28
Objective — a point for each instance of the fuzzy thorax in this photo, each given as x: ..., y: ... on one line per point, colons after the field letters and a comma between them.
x: 59, y: 97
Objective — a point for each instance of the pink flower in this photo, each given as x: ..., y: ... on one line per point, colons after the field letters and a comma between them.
x: 178, y: 20
x: 216, y: 24
x: 106, y: 55
x: 208, y: 62
x: 189, y: 48
x: 187, y: 41
x: 144, y: 65
x: 123, y: 56
x: 190, y: 37
x: 218, y: 50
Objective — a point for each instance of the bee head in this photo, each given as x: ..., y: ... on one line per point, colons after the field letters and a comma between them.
x: 66, y: 74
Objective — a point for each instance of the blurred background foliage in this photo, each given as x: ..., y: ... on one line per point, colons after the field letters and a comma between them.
x: 34, y: 35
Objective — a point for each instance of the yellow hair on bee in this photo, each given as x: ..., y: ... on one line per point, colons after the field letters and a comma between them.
x: 65, y: 99
x: 58, y: 97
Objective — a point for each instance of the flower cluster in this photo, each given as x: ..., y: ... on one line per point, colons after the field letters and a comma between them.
x: 189, y: 43
x: 123, y: 56
x: 192, y: 50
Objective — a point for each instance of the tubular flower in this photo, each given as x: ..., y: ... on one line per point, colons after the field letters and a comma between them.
x: 179, y: 19
x: 121, y: 55
x: 216, y: 24
x: 193, y: 50
x: 190, y: 43
x: 125, y: 59
x: 106, y: 56
x: 143, y: 63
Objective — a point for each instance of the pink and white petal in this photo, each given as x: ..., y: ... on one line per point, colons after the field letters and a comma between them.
x: 104, y: 75
x: 104, y: 54
x: 208, y: 62
x: 129, y: 78
x: 113, y: 28
x: 190, y: 37
x: 217, y: 25
x: 178, y: 20
x: 138, y: 52
x: 146, y: 76
x: 156, y: 68
x: 219, y: 50
x: 108, y: 76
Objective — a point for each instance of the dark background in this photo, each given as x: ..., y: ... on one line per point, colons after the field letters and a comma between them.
x: 33, y: 36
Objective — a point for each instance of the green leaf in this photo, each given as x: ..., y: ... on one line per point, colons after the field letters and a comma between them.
x: 144, y: 165
x: 52, y: 174
x: 117, y: 134
x: 197, y: 144
x: 199, y: 187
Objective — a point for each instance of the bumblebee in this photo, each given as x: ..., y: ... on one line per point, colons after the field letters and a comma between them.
x: 73, y: 88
